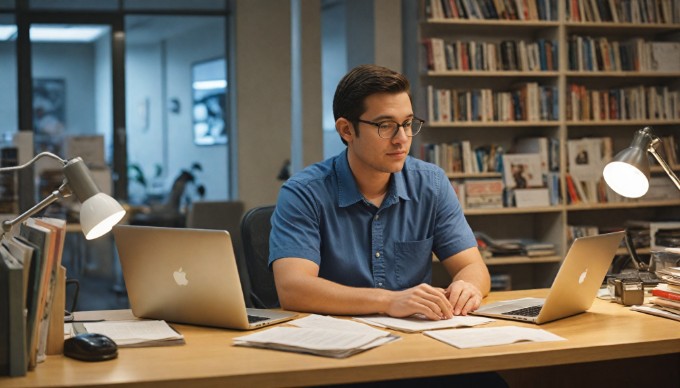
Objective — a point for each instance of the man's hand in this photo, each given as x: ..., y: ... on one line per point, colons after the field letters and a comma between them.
x: 464, y: 297
x: 422, y: 299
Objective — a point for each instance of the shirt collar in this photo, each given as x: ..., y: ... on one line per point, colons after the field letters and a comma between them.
x: 348, y: 192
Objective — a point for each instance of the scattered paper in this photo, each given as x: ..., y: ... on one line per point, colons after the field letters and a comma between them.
x: 322, y: 342
x: 656, y: 311
x: 315, y: 321
x: 491, y: 336
x: 138, y: 332
x: 416, y: 324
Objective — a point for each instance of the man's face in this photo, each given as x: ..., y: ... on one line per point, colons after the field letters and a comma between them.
x: 369, y: 153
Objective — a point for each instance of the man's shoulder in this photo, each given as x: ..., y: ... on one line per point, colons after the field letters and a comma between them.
x: 419, y: 167
x: 315, y: 173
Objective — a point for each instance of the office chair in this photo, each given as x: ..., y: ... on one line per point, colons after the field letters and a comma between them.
x: 223, y: 215
x: 255, y: 228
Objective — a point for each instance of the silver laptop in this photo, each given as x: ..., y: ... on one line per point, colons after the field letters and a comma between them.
x: 574, y: 288
x: 186, y: 276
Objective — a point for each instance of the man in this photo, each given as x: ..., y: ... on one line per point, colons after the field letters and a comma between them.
x: 355, y: 233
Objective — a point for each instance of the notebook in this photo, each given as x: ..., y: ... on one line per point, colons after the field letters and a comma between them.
x: 186, y: 276
x: 574, y: 288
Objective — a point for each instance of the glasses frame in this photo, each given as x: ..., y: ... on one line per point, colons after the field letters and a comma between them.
x: 402, y: 125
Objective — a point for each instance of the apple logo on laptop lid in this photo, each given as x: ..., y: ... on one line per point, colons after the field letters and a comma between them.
x: 582, y: 278
x: 180, y: 277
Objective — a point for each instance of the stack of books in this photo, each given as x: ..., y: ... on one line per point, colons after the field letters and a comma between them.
x: 32, y: 291
x: 514, y: 247
x: 665, y: 300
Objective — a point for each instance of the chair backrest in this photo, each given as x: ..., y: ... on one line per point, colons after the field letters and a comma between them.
x: 223, y: 215
x: 255, y: 228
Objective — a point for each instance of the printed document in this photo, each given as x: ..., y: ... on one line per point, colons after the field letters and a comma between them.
x: 320, y: 335
x: 491, y: 336
x: 136, y: 333
x: 417, y: 324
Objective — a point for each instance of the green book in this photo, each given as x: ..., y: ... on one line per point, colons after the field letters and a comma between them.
x: 12, y: 314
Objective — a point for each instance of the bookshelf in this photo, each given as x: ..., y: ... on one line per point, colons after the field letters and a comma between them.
x: 466, y: 55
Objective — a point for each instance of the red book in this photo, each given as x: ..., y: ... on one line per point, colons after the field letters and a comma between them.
x: 666, y: 294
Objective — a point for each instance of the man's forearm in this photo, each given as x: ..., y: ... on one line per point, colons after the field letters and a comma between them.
x: 318, y: 295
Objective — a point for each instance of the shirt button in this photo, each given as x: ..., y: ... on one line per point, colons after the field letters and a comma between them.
x: 377, y: 254
x: 380, y: 284
x: 376, y: 217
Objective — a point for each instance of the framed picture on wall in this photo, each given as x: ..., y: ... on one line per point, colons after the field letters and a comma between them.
x: 49, y: 113
x: 209, y: 91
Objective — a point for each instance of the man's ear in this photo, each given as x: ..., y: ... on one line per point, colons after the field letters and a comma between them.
x: 344, y: 129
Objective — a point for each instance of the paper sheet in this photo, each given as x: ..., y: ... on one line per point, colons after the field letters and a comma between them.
x: 132, y: 332
x: 491, y: 336
x: 415, y: 324
x: 326, y: 322
x: 323, y: 342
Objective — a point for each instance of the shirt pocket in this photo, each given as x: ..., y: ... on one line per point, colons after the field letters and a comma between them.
x: 413, y: 262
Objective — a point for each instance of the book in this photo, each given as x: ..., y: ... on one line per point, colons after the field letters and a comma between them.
x: 665, y: 302
x: 12, y: 323
x: 34, y: 265
x: 666, y: 294
x: 57, y: 234
x: 522, y: 171
x: 653, y: 310
x: 483, y: 193
x: 133, y: 333
x: 40, y: 237
x: 532, y: 197
x: 535, y: 145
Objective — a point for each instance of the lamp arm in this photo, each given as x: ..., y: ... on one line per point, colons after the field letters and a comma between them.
x: 35, y: 158
x: 667, y: 169
x: 63, y: 192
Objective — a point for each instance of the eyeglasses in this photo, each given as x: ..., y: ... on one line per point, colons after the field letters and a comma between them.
x: 389, y: 129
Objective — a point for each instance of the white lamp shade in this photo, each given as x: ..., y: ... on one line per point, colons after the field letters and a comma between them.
x: 98, y: 214
x: 626, y: 179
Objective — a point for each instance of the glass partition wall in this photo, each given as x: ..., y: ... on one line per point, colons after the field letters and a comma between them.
x: 115, y: 82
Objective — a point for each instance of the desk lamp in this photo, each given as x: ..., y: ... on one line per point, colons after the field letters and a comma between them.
x: 628, y: 173
x: 99, y: 212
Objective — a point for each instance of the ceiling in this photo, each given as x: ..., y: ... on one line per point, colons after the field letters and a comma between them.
x: 138, y: 29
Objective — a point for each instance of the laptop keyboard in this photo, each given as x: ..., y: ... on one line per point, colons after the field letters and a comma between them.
x: 255, y: 318
x: 525, y: 312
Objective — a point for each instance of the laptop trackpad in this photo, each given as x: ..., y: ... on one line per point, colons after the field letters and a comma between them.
x: 510, y: 305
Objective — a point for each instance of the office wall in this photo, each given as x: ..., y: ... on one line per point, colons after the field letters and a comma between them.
x: 263, y: 92
x: 262, y: 43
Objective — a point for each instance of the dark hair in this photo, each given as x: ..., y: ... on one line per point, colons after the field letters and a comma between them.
x: 361, y: 82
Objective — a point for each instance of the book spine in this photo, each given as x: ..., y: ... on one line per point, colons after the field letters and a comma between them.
x: 666, y: 294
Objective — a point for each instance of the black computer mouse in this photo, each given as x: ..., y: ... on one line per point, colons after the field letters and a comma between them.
x: 90, y: 347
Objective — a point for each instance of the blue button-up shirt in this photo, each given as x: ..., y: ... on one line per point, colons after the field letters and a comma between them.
x: 321, y: 216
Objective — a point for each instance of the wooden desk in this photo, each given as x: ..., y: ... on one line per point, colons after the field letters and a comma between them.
x: 609, y: 344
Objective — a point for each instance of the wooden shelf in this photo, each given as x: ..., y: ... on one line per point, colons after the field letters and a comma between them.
x: 631, y: 28
x: 610, y: 123
x: 512, y: 210
x: 486, y: 23
x: 483, y: 73
x: 491, y: 124
x: 626, y: 74
x: 624, y: 205
x: 462, y: 175
x: 511, y: 260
